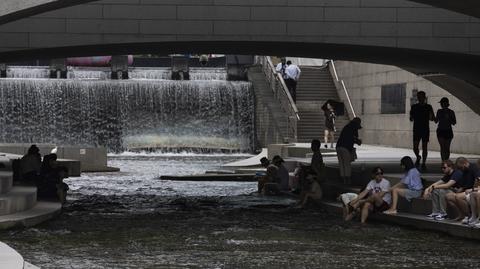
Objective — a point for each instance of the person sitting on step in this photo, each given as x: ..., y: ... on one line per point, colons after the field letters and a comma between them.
x: 438, y: 191
x: 315, y: 169
x: 409, y: 187
x: 458, y: 200
x: 375, y: 198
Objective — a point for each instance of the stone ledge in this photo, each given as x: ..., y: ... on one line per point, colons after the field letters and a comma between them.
x: 41, y: 212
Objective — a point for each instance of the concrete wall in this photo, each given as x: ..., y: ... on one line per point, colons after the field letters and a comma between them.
x: 393, y: 23
x: 91, y: 159
x: 364, y: 83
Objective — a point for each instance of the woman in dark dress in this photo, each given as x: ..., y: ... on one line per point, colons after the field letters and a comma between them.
x: 445, y: 118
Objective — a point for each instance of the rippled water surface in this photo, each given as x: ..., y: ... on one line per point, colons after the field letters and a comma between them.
x: 131, y: 219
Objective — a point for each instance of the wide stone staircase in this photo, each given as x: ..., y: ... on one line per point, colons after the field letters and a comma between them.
x: 18, y: 204
x: 314, y: 88
x: 271, y: 120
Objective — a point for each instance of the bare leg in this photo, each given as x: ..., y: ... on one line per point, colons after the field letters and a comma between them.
x: 461, y: 201
x: 365, y: 211
x: 450, y: 197
x: 424, y: 152
x: 416, y: 151
x: 332, y: 137
x: 326, y: 137
x: 473, y: 205
x: 395, y: 193
x: 448, y: 142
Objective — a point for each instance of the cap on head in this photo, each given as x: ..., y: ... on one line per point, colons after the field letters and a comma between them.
x: 358, y: 122
x: 444, y: 101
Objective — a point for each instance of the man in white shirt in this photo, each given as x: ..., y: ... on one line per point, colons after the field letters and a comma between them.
x: 376, y: 196
x: 281, y: 66
x: 292, y: 73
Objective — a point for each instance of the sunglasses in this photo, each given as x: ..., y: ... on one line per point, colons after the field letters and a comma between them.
x: 378, y: 173
x: 444, y: 167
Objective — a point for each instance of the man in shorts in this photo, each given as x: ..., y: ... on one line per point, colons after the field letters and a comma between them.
x: 459, y: 199
x: 421, y: 114
x: 375, y: 198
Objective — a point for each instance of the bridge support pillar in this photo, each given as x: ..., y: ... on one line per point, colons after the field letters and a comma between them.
x: 180, y: 68
x: 119, y: 67
x: 58, y: 68
x: 3, y: 70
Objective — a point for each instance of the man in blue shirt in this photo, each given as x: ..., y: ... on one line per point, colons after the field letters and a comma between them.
x: 438, y: 190
x: 459, y: 199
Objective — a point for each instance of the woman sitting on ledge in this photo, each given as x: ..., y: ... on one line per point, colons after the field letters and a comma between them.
x: 409, y: 187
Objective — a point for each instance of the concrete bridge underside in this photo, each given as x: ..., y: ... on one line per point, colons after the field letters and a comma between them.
x: 11, y: 10
x: 410, y: 35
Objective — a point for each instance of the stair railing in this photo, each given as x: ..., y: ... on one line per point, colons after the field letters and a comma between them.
x: 342, y: 89
x: 281, y: 93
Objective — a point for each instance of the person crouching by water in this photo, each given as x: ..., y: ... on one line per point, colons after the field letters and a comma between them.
x: 346, y: 153
x: 282, y: 174
x: 262, y: 176
x: 375, y: 198
x: 51, y: 185
x: 409, y: 187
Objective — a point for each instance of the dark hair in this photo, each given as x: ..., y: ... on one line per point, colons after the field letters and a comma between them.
x: 277, y: 158
x: 449, y: 163
x: 265, y: 161
x: 289, y: 62
x: 407, y: 162
x: 33, y: 149
x: 421, y: 93
x: 316, y: 144
x: 377, y: 170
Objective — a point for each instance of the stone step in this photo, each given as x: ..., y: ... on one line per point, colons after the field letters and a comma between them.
x: 41, y: 212
x: 17, y: 200
x: 6, y: 181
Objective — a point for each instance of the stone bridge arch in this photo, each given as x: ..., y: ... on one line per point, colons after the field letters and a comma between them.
x: 417, y: 37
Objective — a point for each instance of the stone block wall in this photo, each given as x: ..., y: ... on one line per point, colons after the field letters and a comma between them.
x: 364, y: 82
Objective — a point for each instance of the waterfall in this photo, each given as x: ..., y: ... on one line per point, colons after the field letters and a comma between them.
x: 128, y: 114
x: 103, y: 73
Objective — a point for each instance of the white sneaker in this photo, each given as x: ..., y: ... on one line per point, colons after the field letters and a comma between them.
x: 477, y: 225
x: 440, y: 217
x: 466, y: 220
x: 433, y: 215
x: 473, y: 222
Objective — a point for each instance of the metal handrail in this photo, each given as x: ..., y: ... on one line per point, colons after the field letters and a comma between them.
x: 281, y: 93
x: 340, y: 82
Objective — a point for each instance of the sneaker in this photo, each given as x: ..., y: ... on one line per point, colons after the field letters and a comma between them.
x: 440, y: 217
x: 477, y: 225
x: 433, y: 215
x: 473, y: 222
x: 465, y: 220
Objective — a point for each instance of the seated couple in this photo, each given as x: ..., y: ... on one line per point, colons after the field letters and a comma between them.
x: 458, y: 188
x: 378, y: 196
x: 374, y: 198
